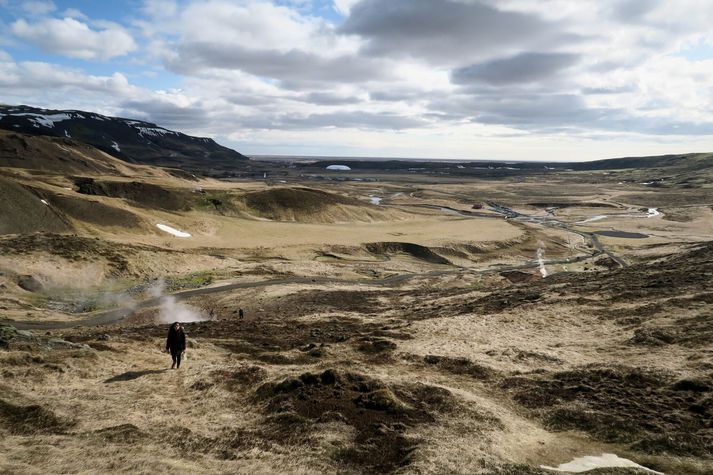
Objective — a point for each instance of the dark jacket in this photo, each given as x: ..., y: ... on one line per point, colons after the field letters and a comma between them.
x: 176, y: 341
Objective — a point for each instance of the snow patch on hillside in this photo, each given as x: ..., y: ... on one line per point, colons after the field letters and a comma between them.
x: 45, y: 120
x: 173, y: 231
x: 591, y: 462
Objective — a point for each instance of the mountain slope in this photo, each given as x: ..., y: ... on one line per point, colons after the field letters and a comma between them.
x: 133, y: 141
x: 63, y: 156
x: 688, y: 161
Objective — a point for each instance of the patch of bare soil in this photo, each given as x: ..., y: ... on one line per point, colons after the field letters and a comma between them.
x: 652, y: 410
x: 380, y: 414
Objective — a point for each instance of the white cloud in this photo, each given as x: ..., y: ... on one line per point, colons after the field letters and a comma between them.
x: 344, y: 6
x: 460, y: 78
x: 74, y: 13
x: 74, y: 38
x: 34, y: 75
x: 160, y: 8
x: 38, y: 8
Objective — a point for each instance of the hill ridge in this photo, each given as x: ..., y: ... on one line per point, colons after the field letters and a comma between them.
x: 131, y: 140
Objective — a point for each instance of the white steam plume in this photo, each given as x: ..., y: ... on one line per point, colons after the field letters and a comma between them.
x: 541, y: 262
x: 171, y: 310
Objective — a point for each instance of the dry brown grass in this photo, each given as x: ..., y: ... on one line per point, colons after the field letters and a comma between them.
x: 449, y: 331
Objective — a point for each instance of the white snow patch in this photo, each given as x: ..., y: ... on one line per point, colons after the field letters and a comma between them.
x: 173, y: 231
x: 115, y: 146
x: 45, y: 202
x: 375, y: 200
x: 66, y: 134
x: 45, y: 120
x: 339, y: 168
x: 591, y: 462
x: 153, y: 131
x: 652, y: 212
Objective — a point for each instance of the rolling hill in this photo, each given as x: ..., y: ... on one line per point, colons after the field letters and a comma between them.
x: 133, y: 141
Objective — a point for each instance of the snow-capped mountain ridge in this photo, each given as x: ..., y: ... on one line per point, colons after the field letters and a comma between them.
x: 132, y: 140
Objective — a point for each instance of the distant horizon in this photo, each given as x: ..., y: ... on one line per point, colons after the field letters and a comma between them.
x: 326, y: 158
x: 285, y: 157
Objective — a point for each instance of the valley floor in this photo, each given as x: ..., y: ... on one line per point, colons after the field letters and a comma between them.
x: 424, y: 336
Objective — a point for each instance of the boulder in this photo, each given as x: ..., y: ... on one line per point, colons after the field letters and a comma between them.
x: 29, y: 283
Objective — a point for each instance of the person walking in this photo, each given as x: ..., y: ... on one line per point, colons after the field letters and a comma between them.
x: 176, y: 344
x: 241, y: 314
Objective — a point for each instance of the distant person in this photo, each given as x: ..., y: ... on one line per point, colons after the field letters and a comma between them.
x: 176, y: 344
x: 241, y: 314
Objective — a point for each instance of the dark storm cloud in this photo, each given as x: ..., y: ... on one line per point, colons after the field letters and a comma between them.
x: 294, y: 66
x: 523, y: 68
x: 632, y: 10
x: 445, y: 30
x: 608, y: 90
x: 354, y: 119
x: 166, y: 114
x: 397, y: 95
x: 535, y: 112
x: 551, y: 113
x: 344, y: 119
x: 326, y: 98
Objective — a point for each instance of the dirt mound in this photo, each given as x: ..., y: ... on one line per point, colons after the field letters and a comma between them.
x: 414, y: 250
x: 312, y: 301
x: 143, y: 194
x: 690, y: 330
x: 622, y: 404
x: 95, y: 212
x: 22, y: 211
x: 72, y: 248
x: 233, y: 378
x: 518, y: 277
x: 122, y: 434
x: 375, y: 345
x: 459, y: 366
x: 29, y: 420
x: 29, y: 283
x: 308, y: 205
x: 380, y: 414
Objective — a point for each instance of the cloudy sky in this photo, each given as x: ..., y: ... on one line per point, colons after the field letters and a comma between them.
x: 470, y: 79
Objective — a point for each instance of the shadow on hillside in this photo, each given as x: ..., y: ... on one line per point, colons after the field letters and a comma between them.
x: 129, y: 375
